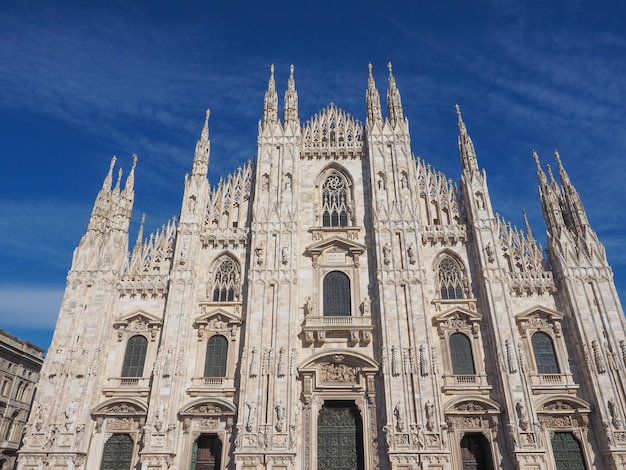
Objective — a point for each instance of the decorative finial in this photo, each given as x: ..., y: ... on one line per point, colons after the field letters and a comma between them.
x: 370, y: 67
x: 389, y: 67
x: 272, y: 70
x: 458, y: 110
x: 557, y: 156
x: 536, y: 157
x: 135, y: 158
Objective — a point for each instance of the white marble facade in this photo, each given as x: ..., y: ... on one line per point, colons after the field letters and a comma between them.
x: 336, y: 270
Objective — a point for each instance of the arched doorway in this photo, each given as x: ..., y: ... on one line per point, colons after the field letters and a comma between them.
x: 567, y: 452
x: 475, y: 452
x: 339, y: 437
x: 118, y: 453
x: 206, y: 453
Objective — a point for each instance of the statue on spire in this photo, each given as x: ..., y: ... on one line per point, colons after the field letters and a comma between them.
x: 291, y: 99
x: 270, y: 104
x: 372, y: 99
x: 395, y: 113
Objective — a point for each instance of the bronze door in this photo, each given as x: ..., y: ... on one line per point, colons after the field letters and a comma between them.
x: 118, y: 453
x: 567, y: 452
x: 339, y: 437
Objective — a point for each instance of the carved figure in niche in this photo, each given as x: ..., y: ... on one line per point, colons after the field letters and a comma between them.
x: 80, y: 432
x: 160, y: 409
x: 266, y: 182
x: 380, y: 181
x: 430, y: 415
x: 387, y: 253
x: 388, y: 436
x: 412, y: 254
x: 52, y: 437
x: 417, y: 436
x: 251, y: 411
x: 280, y: 415
x: 40, y: 413
x: 192, y: 204
x: 69, y: 414
x: 285, y: 255
x: 287, y: 182
x: 403, y: 181
x: 615, y: 420
x: 365, y: 306
x: 521, y: 415
x: 397, y: 412
x: 259, y: 255
x: 308, y: 306
x: 145, y: 436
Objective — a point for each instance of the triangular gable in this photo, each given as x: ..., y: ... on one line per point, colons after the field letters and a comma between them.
x: 218, y: 314
x: 138, y: 317
x: 337, y: 242
x: 457, y: 312
x: 540, y: 311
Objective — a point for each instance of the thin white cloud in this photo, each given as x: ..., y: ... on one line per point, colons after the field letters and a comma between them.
x: 29, y: 307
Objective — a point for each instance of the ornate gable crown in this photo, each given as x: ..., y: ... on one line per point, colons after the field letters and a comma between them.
x: 332, y: 131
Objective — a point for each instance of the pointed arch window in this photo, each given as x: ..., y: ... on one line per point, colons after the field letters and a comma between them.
x: 450, y: 278
x: 545, y: 355
x: 135, y: 356
x: 461, y: 355
x: 335, y: 201
x: 216, y: 357
x: 337, y: 294
x: 226, y: 284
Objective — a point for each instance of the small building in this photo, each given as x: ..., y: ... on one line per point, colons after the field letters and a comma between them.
x: 20, y: 363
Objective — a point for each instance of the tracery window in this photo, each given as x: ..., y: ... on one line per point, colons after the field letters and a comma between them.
x: 545, y: 355
x: 216, y: 357
x: 226, y: 285
x: 335, y: 201
x: 450, y: 277
x: 461, y: 355
x: 135, y: 356
x: 337, y: 294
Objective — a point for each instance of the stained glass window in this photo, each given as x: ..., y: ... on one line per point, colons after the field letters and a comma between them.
x: 216, y: 356
x: 461, y: 355
x: 335, y: 201
x: 226, y: 285
x: 545, y: 357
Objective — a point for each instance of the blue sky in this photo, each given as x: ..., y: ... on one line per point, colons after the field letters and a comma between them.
x: 81, y: 81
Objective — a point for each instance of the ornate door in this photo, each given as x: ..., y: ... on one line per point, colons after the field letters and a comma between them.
x: 118, y: 453
x: 206, y: 453
x: 475, y: 452
x: 567, y: 452
x: 339, y: 437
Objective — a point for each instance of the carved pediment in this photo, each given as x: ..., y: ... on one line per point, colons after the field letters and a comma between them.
x: 563, y: 405
x: 126, y: 408
x: 218, y: 316
x: 336, y: 244
x: 138, y: 320
x: 472, y: 405
x: 537, y: 318
x: 457, y: 317
x: 213, y: 407
x: 541, y: 312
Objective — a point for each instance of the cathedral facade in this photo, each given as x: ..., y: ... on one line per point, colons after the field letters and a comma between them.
x: 335, y: 304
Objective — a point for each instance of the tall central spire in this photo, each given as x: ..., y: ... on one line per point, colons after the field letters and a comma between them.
x: 372, y: 99
x: 270, y: 106
x: 291, y: 99
x: 466, y: 146
x: 394, y: 103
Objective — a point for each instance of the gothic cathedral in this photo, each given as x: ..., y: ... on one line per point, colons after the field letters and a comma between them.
x: 335, y: 304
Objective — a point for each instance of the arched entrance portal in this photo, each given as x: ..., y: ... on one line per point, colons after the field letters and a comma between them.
x: 475, y: 452
x: 339, y: 437
x: 207, y: 453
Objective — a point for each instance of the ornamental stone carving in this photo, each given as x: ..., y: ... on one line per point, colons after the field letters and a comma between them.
x: 337, y: 373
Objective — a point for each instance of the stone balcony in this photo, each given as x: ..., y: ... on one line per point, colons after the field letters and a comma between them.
x: 125, y: 386
x: 552, y: 383
x: 353, y: 329
x: 462, y: 383
x: 223, y: 386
